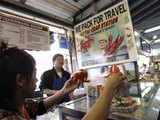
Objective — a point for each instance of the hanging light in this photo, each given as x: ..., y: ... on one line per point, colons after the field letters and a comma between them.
x: 136, y: 33
x: 152, y: 29
x: 154, y: 37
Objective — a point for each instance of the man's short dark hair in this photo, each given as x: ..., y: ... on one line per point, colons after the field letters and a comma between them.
x: 56, y: 55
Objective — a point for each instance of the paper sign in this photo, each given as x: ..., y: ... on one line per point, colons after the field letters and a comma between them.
x: 23, y: 34
x: 106, y: 38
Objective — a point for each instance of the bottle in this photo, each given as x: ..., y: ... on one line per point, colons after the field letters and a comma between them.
x: 156, y: 66
x: 159, y: 66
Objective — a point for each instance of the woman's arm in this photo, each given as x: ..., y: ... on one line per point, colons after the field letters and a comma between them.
x: 100, y: 109
x: 49, y: 91
x: 69, y: 86
x: 54, y: 99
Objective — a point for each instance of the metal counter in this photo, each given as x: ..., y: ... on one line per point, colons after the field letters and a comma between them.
x: 148, y: 108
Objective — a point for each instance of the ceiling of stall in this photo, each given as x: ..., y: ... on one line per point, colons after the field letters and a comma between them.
x: 145, y: 13
x: 64, y: 9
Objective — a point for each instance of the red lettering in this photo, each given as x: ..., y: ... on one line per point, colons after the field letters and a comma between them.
x: 95, y: 28
x: 109, y: 22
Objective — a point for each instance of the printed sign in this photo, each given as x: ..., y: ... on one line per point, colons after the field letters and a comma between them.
x: 106, y: 38
x: 23, y: 34
x: 63, y: 41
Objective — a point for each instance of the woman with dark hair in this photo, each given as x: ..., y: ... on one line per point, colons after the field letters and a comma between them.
x: 17, y: 82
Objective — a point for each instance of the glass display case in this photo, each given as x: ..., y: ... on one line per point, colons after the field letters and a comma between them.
x: 148, y: 106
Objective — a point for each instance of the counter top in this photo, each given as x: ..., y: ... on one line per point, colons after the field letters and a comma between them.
x: 148, y: 108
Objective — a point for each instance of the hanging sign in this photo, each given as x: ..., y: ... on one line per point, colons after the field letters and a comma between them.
x: 106, y: 38
x: 63, y: 41
x: 23, y: 34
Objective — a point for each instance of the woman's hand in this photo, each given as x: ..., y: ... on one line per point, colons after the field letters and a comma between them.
x: 70, y: 85
x: 113, y: 82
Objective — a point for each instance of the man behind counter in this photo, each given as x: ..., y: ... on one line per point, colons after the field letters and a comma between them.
x: 53, y: 80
